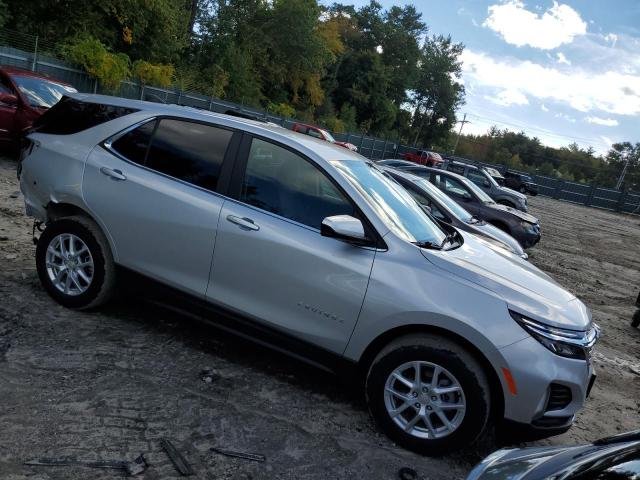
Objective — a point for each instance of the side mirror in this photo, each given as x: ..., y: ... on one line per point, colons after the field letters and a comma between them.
x: 344, y: 227
x: 8, y: 99
x: 426, y: 207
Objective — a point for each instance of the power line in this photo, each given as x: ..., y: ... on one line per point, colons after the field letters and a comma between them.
x: 542, y: 130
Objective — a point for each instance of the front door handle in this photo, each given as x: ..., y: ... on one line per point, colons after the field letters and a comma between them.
x: 115, y: 174
x: 245, y: 222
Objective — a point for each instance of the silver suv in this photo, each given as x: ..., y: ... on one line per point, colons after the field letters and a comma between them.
x: 307, y: 247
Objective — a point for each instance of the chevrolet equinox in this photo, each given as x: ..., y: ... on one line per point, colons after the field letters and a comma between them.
x: 311, y: 249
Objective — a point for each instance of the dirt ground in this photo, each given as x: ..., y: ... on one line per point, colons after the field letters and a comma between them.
x: 109, y: 385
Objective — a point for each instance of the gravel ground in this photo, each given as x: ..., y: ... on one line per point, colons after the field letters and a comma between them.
x: 109, y: 385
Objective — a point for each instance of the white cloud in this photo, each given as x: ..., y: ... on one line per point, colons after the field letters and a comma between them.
x: 544, y: 108
x: 562, y: 58
x: 612, y: 38
x: 509, y: 97
x: 519, y: 26
x: 612, y: 91
x: 606, y: 122
x: 607, y: 140
x: 566, y: 117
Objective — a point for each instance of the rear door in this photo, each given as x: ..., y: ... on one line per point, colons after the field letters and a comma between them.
x: 272, y: 264
x: 155, y: 189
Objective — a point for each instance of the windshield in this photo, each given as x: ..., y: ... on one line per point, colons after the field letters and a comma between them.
x: 444, y: 199
x: 484, y: 198
x: 41, y: 92
x: 328, y: 137
x: 393, y: 204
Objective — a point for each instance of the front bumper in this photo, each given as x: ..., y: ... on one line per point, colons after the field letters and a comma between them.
x: 537, y: 374
x: 530, y: 238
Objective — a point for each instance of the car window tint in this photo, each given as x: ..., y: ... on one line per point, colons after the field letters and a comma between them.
x: 5, y: 87
x: 189, y: 151
x: 452, y: 186
x: 477, y: 178
x: 133, y: 144
x: 315, y: 133
x: 452, y: 167
x: 282, y: 182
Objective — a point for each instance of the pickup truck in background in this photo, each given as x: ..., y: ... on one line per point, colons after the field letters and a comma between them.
x: 424, y: 157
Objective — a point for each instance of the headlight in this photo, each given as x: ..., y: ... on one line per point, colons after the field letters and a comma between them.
x: 528, y: 227
x: 566, y: 343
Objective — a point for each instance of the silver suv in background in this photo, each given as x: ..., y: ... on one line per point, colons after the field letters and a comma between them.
x: 483, y: 179
x: 310, y: 248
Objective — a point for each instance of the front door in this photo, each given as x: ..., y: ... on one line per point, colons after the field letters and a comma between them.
x: 154, y: 191
x: 272, y: 264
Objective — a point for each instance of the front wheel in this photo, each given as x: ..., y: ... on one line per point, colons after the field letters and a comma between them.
x: 74, y: 263
x: 428, y: 394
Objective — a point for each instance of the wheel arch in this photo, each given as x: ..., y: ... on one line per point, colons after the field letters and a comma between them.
x: 58, y: 210
x: 369, y: 354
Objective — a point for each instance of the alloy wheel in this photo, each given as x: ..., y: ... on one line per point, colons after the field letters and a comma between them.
x: 424, y: 399
x: 69, y: 264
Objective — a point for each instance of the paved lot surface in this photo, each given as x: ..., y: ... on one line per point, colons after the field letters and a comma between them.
x: 109, y: 385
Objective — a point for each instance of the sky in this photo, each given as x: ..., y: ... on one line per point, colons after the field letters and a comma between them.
x: 563, y: 71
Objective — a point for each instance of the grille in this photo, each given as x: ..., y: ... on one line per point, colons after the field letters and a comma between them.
x: 559, y: 397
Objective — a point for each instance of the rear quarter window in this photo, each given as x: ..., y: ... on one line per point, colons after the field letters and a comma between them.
x: 70, y: 116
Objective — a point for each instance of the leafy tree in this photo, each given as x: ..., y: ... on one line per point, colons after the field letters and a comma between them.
x: 152, y: 74
x: 436, y: 94
x: 110, y: 69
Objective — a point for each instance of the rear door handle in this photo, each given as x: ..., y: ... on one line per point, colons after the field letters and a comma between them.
x: 115, y: 174
x: 245, y: 222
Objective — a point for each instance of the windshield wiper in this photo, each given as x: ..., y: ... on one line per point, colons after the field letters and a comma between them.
x: 428, y: 244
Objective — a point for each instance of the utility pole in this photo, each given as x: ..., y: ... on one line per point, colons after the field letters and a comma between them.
x: 464, y: 120
x: 624, y: 171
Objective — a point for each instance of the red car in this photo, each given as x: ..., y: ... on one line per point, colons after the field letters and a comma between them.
x: 424, y: 157
x: 322, y: 134
x: 24, y: 96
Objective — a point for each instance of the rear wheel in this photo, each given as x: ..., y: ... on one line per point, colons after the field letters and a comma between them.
x: 428, y: 394
x: 74, y: 263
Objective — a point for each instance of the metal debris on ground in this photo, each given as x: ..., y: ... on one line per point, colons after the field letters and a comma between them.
x: 208, y: 375
x: 256, y: 457
x: 406, y: 473
x: 176, y: 458
x: 137, y: 466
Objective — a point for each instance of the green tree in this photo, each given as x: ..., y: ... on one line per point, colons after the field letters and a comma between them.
x: 437, y: 94
x: 110, y: 69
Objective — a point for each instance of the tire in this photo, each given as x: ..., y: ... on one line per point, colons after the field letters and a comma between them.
x: 97, y: 265
x: 455, y: 362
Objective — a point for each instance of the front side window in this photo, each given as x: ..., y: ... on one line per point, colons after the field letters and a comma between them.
x: 41, y: 92
x: 460, y: 212
x: 392, y: 203
x: 459, y: 169
x: 478, y: 178
x: 281, y: 182
x: 452, y: 186
x: 189, y: 151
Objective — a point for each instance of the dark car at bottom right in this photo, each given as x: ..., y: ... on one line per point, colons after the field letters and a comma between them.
x: 612, y: 458
x: 520, y: 225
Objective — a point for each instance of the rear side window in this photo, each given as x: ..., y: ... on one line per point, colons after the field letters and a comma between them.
x: 70, y: 116
x: 133, y: 145
x: 189, y: 151
x: 459, y: 169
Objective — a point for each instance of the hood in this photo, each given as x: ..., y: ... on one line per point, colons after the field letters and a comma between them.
x: 525, y: 288
x: 520, y: 214
x: 514, y: 193
x: 503, y: 237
